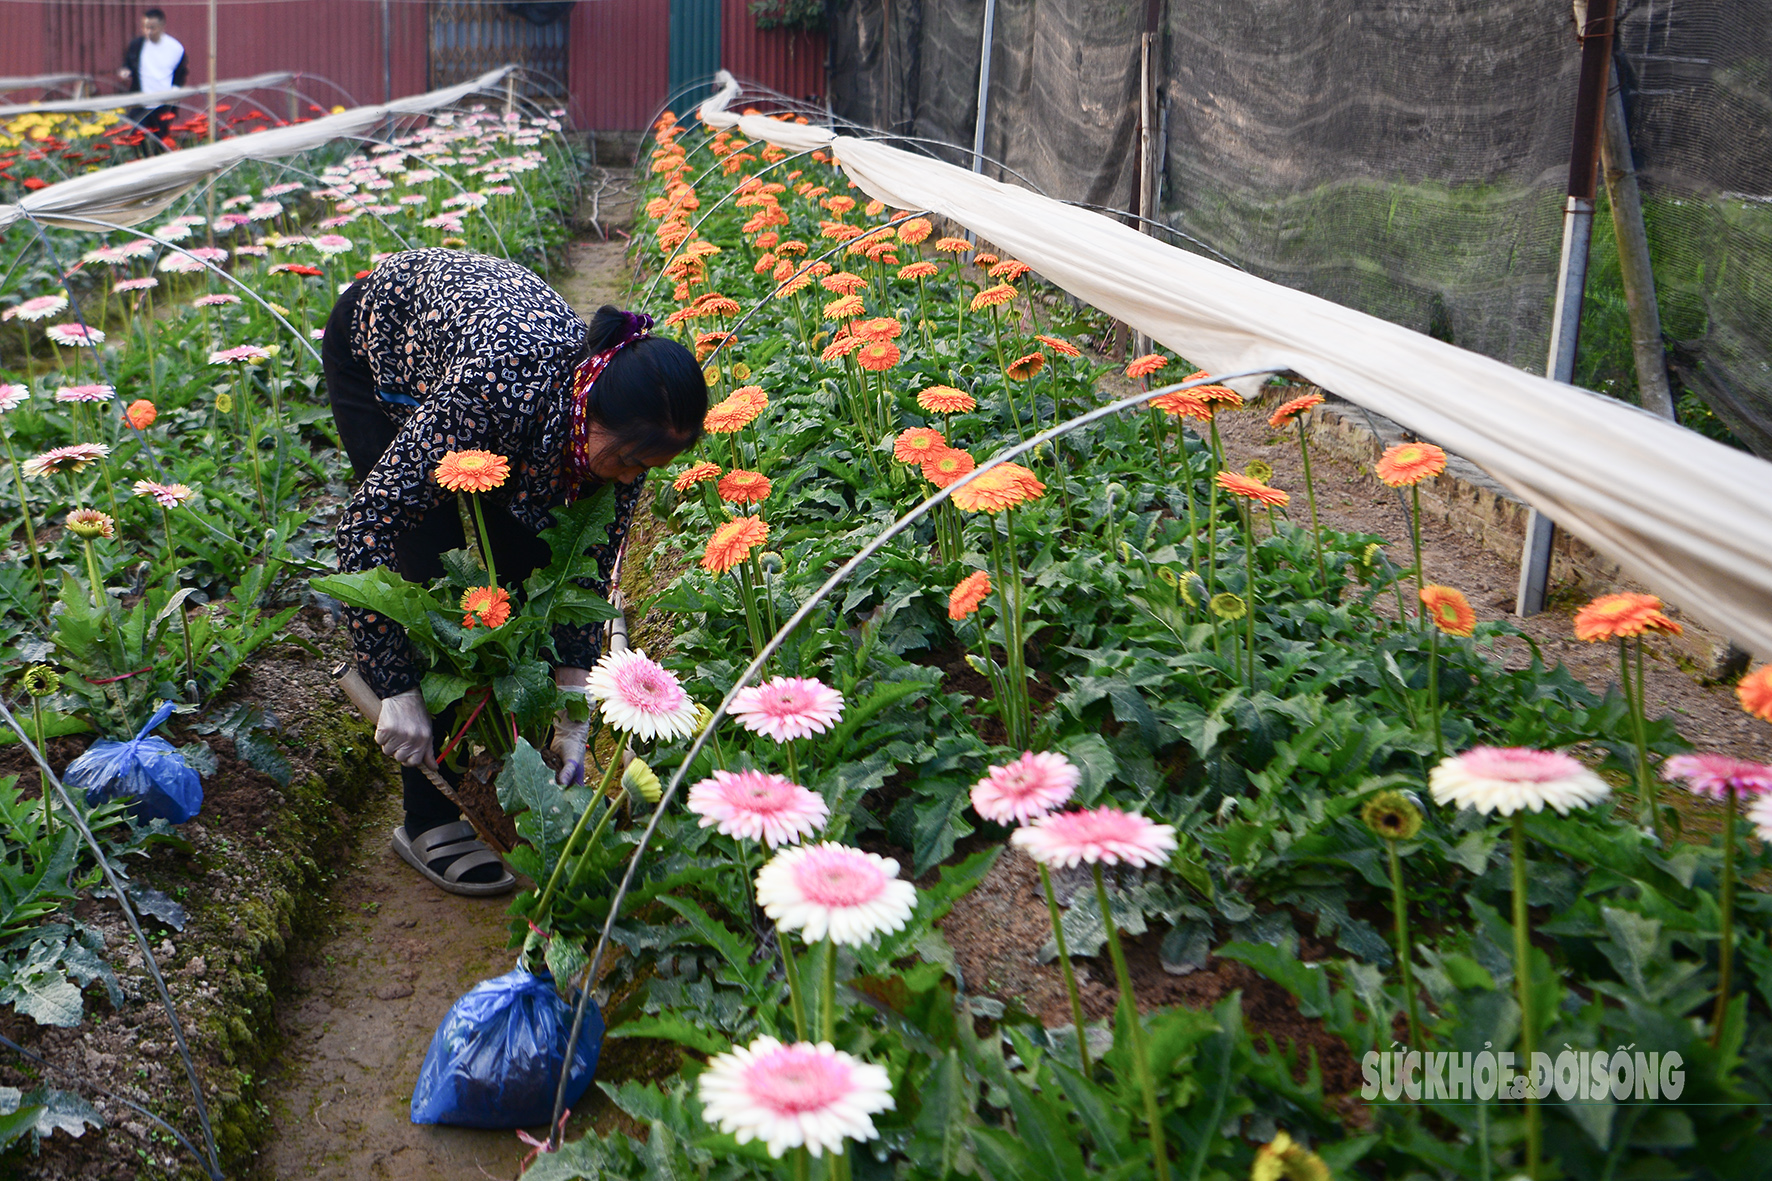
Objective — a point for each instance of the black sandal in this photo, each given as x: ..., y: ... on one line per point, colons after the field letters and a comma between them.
x: 456, y: 840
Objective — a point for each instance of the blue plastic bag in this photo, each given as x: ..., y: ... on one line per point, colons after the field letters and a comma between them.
x: 495, y: 1061
x: 148, y: 770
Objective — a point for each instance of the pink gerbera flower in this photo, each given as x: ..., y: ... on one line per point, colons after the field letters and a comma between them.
x: 833, y: 890
x: 85, y: 393
x: 214, y: 301
x: 1508, y: 779
x: 12, y: 395
x: 145, y: 283
x: 798, y: 1096
x: 640, y: 696
x: 165, y: 495
x: 209, y: 253
x: 1026, y: 789
x: 1101, y: 835
x: 245, y: 352
x: 65, y: 459
x: 330, y: 244
x: 40, y: 308
x: 1714, y: 775
x: 758, y: 806
x: 788, y: 707
x: 75, y: 335
x: 180, y: 264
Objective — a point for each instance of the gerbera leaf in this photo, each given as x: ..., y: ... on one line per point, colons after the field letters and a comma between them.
x: 577, y: 527
x: 671, y: 1027
x: 527, y: 693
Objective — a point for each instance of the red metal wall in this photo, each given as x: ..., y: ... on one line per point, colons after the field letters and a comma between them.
x: 620, y: 48
x: 791, y: 62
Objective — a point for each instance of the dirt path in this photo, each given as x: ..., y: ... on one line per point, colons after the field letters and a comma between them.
x: 367, y: 999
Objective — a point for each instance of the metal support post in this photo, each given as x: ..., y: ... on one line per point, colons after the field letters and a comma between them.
x: 1596, y: 27
x: 984, y: 84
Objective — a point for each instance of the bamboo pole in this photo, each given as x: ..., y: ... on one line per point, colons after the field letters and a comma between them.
x: 1634, y: 266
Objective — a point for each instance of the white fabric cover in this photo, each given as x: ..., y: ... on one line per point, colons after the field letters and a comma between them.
x: 1686, y: 516
x: 40, y: 82
x: 158, y: 98
x: 133, y: 192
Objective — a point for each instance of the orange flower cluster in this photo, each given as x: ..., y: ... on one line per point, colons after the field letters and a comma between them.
x: 965, y: 598
x: 918, y: 444
x: 1449, y: 609
x: 1621, y: 616
x: 695, y: 474
x: 1009, y: 270
x: 707, y: 342
x: 945, y: 399
x: 1409, y: 463
x: 1293, y: 409
x: 487, y: 605
x: 1216, y: 394
x: 733, y: 542
x: 472, y: 471
x: 1003, y: 486
x: 1146, y: 365
x: 739, y: 486
x: 1250, y: 488
x: 735, y: 411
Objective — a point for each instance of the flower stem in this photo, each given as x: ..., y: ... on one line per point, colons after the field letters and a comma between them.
x: 1433, y: 688
x: 1310, y: 492
x: 1064, y: 964
x: 43, y: 776
x: 827, y: 993
x: 1135, y: 1029
x: 1400, y: 908
x: 184, y: 621
x: 547, y: 893
x: 789, y: 969
x: 1415, y: 540
x: 485, y: 541
x: 1249, y: 556
x: 1726, y: 951
x: 24, y: 509
x: 1523, y: 978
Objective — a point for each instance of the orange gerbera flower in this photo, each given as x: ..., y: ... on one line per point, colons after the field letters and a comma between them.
x: 694, y: 474
x: 1024, y: 368
x: 945, y: 399
x: 1293, y: 409
x: 1755, y: 692
x: 877, y: 356
x: 843, y: 307
x: 1238, y: 484
x: 767, y: 241
x: 1221, y: 394
x: 790, y: 285
x: 879, y: 328
x: 915, y: 230
x: 991, y: 297
x: 1618, y: 616
x: 736, y: 410
x: 874, y: 208
x: 1009, y: 270
x: 472, y: 471
x: 141, y: 414
x: 1059, y: 345
x: 715, y: 304
x: 983, y: 259
x: 707, y: 342
x: 918, y: 270
x: 1146, y: 365
x: 790, y: 248
x: 944, y: 467
x: 842, y: 344
x: 917, y: 444
x: 733, y: 542
x: 1409, y: 463
x: 965, y: 598
x: 765, y: 264
x: 1003, y: 486
x: 838, y: 205
x: 952, y: 245
x: 1182, y: 404
x: 837, y: 231
x: 1448, y: 608
x: 844, y: 283
x: 743, y: 487
x: 488, y: 605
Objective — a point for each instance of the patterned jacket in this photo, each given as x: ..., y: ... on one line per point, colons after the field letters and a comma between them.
x: 468, y: 352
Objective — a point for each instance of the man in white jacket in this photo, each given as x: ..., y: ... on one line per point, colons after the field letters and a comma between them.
x: 154, y: 61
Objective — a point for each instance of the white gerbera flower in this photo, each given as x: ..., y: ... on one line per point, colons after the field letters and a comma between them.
x: 1514, y: 778
x: 641, y: 697
x: 831, y: 889
x: 803, y: 1095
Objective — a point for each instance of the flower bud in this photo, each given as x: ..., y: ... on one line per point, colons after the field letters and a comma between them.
x: 640, y: 780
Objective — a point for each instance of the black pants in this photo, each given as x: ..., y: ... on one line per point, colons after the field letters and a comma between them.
x: 366, y: 431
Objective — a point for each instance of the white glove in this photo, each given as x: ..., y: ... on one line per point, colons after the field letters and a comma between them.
x: 403, y: 730
x: 569, y: 743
